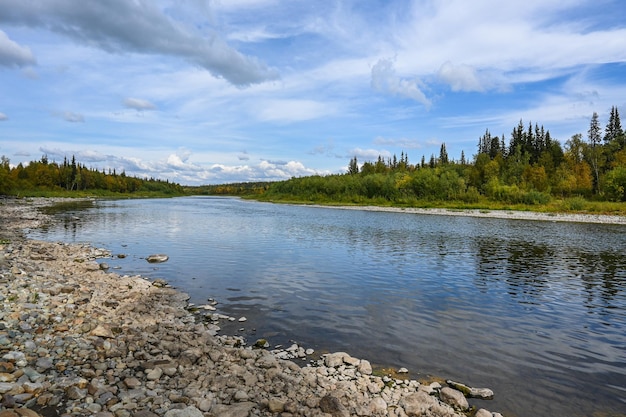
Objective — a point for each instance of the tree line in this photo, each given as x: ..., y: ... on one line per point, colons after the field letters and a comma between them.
x: 530, y: 168
x: 71, y: 176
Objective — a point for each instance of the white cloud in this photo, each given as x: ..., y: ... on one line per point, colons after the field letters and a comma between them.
x: 138, y: 104
x: 368, y: 154
x: 13, y: 54
x: 3, y: 117
x: 385, y: 80
x: 69, y: 116
x: 293, y: 110
x: 144, y: 29
x: 404, y: 143
x: 460, y: 77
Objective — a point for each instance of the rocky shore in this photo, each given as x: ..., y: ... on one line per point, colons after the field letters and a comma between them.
x: 495, y: 214
x: 76, y: 340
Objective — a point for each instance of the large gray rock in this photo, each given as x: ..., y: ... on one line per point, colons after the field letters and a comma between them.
x: 331, y: 405
x: 185, y: 412
x: 157, y: 258
x: 454, y: 398
x: 420, y: 404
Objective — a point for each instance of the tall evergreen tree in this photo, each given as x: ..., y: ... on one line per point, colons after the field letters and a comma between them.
x: 443, y: 155
x: 353, y: 167
x: 593, y: 134
x: 613, y: 129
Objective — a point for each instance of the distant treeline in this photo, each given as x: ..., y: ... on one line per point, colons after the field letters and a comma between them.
x: 236, y: 189
x: 530, y: 169
x: 70, y: 176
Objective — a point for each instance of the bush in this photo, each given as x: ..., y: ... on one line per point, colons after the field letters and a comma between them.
x: 535, y: 197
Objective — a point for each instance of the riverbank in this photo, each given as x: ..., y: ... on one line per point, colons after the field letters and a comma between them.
x: 76, y: 340
x: 493, y: 214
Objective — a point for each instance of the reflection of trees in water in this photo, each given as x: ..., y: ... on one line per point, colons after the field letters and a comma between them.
x: 528, y: 269
x: 523, y: 266
x: 603, y: 276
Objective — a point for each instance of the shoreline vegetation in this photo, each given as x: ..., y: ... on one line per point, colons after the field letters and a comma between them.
x: 78, y: 340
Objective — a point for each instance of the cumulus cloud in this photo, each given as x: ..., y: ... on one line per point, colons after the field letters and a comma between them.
x: 138, y: 104
x: 3, y: 117
x: 12, y: 54
x: 178, y: 167
x: 385, y: 80
x: 460, y: 77
x: 139, y: 26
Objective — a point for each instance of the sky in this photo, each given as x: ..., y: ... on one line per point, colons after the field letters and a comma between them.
x: 221, y: 91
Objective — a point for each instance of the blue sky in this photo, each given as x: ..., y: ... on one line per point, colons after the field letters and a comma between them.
x: 215, y: 91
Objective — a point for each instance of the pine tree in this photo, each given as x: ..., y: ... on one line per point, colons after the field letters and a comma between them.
x: 353, y: 167
x: 443, y: 155
x: 613, y: 129
x: 593, y: 134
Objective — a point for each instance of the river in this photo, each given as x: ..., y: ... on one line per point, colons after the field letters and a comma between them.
x: 534, y: 310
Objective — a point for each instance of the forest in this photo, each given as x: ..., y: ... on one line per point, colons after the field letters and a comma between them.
x: 45, y: 178
x: 531, y: 168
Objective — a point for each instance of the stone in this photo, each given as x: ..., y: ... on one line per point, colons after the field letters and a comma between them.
x: 205, y: 405
x: 377, y: 406
x: 157, y: 258
x: 132, y: 382
x: 454, y: 398
x: 159, y: 283
x: 364, y: 367
x: 25, y: 412
x: 403, y: 371
x: 276, y: 405
x: 482, y: 393
x: 420, y: 404
x: 235, y: 410
x: 44, y: 364
x: 331, y: 405
x: 154, y: 374
x: 334, y: 360
x: 102, y: 331
x: 483, y: 413
x: 240, y: 395
x: 190, y: 411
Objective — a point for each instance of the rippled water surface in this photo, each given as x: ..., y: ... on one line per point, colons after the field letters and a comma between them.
x: 534, y: 310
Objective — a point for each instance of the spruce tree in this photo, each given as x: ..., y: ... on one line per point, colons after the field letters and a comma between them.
x: 613, y: 129
x: 593, y: 134
x: 443, y: 154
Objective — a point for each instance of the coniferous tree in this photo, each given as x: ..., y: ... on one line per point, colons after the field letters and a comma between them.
x: 443, y: 155
x: 593, y: 134
x: 353, y: 167
x: 613, y: 129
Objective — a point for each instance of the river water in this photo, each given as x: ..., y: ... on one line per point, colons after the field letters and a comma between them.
x: 534, y: 310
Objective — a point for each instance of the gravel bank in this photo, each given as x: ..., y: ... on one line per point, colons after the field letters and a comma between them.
x: 77, y: 341
x: 495, y: 214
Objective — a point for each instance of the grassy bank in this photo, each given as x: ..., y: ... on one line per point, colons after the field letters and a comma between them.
x: 574, y: 205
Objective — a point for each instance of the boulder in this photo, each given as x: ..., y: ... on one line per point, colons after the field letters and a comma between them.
x: 157, y: 258
x: 454, y: 398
